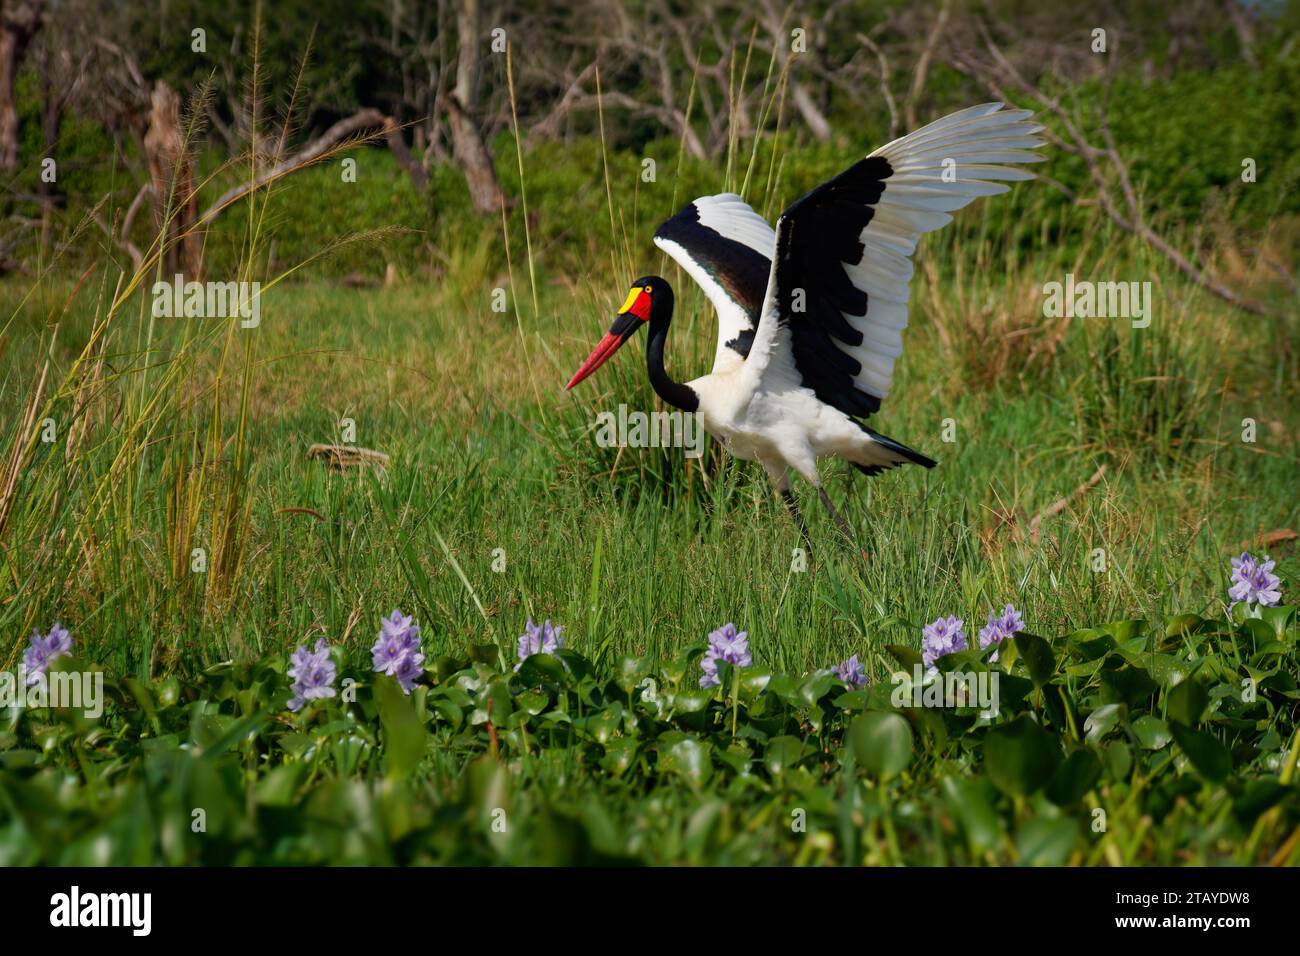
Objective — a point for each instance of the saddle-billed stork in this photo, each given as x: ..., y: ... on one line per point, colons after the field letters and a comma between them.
x: 811, y: 315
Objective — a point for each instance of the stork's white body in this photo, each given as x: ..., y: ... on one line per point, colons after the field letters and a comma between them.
x: 782, y: 428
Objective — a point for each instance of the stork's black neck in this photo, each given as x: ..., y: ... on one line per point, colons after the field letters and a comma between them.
x: 674, y: 393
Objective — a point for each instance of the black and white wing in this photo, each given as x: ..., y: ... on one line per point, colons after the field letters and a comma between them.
x: 836, y: 302
x: 726, y: 248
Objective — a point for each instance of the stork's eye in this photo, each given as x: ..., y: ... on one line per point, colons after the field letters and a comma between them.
x: 647, y: 290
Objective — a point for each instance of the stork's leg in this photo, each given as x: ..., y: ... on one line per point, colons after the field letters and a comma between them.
x: 836, y: 517
x: 793, y: 507
x: 780, y: 476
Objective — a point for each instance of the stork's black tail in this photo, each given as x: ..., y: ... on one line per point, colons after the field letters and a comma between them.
x: 889, y: 454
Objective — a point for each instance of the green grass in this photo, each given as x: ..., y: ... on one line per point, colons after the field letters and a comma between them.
x: 489, y: 452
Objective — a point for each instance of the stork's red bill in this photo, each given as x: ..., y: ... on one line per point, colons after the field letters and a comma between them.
x: 811, y: 314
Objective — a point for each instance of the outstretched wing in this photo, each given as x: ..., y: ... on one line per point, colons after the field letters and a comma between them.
x: 836, y: 301
x: 726, y: 248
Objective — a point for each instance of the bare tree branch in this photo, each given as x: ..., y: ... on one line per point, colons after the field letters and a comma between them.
x: 884, y: 83
x: 813, y: 117
x: 923, y: 67
x: 1130, y: 218
x: 360, y: 120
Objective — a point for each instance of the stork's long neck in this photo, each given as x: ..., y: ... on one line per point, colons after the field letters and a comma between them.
x: 674, y: 393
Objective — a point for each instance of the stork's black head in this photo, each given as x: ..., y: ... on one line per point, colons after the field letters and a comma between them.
x: 649, y: 299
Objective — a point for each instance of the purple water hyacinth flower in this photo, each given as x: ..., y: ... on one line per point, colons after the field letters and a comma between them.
x: 313, y: 674
x: 851, y: 672
x: 728, y: 645
x: 399, y: 638
x: 44, y: 651
x: 409, y: 671
x: 999, y: 628
x: 400, y: 625
x: 397, y: 650
x: 944, y: 636
x: 1253, y: 582
x: 541, y: 638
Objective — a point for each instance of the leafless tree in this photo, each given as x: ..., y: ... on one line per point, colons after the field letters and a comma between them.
x: 1106, y: 166
x: 19, y: 20
x: 467, y: 139
x: 171, y: 176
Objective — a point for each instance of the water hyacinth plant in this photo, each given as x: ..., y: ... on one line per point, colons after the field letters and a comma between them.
x: 1254, y: 582
x: 943, y: 636
x: 43, y: 651
x: 851, y: 672
x: 1000, y: 627
x: 397, y: 650
x: 725, y: 644
x: 313, y: 674
x: 680, y: 730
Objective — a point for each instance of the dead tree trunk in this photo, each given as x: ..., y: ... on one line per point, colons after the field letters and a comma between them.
x: 8, y: 111
x: 171, y: 173
x: 51, y: 120
x: 466, y: 139
x: 18, y: 21
x: 402, y: 153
